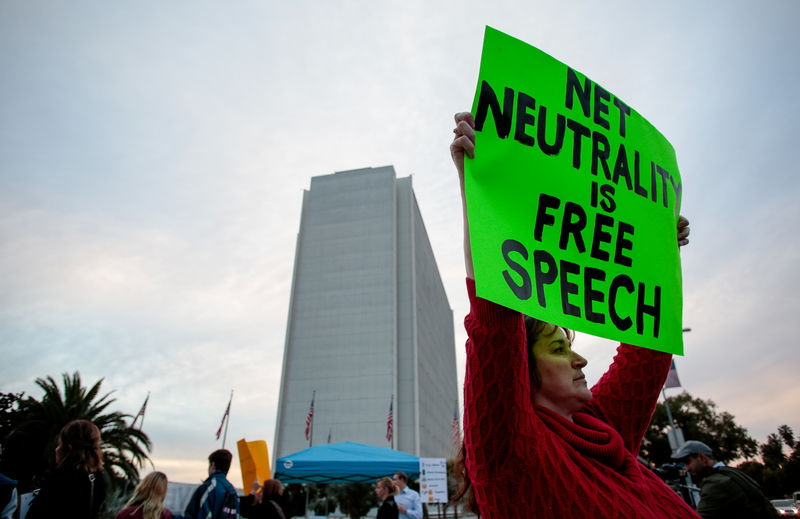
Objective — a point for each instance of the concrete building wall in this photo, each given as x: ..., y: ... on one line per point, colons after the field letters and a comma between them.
x: 368, y: 319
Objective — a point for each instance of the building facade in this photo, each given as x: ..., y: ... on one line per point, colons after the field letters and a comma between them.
x: 369, y: 323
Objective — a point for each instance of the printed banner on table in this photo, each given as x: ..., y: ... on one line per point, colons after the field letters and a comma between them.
x: 433, y: 480
x: 573, y: 201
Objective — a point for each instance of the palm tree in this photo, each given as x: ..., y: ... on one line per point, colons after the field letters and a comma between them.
x: 124, y: 448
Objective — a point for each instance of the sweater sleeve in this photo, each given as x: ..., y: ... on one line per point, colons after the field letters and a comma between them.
x: 625, y: 396
x: 497, y: 405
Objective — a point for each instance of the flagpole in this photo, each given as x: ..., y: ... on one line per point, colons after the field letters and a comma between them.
x: 141, y: 424
x: 141, y: 412
x: 136, y: 439
x: 311, y: 434
x: 392, y: 407
x: 227, y: 420
x: 310, y: 420
x: 390, y: 423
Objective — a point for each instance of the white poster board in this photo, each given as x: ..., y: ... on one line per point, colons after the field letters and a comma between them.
x: 433, y: 480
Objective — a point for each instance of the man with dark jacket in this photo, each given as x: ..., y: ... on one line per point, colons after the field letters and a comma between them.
x: 215, y: 498
x: 724, y: 491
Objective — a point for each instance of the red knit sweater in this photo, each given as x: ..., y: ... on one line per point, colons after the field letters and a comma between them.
x: 526, y: 461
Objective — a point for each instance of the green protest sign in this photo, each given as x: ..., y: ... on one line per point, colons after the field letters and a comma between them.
x: 573, y: 201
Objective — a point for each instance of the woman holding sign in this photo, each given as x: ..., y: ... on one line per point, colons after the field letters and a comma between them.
x: 537, y: 441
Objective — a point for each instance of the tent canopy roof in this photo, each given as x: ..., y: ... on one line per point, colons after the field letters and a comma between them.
x: 346, y: 462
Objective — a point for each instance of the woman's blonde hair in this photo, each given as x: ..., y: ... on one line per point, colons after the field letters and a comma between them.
x: 389, y: 485
x: 149, y: 495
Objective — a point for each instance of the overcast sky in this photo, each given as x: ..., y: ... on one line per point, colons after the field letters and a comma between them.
x: 153, y: 157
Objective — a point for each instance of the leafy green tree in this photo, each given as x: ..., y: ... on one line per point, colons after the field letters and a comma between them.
x: 355, y: 499
x: 778, y: 473
x: 30, y: 440
x: 294, y: 499
x: 787, y: 435
x: 699, y: 420
x: 9, y: 407
x: 781, y: 471
x: 324, y: 500
x: 772, y: 451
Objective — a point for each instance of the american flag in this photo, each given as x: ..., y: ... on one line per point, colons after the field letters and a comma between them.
x: 224, y: 416
x: 390, y: 421
x: 141, y: 411
x: 310, y: 417
x: 672, y: 377
x: 456, y: 428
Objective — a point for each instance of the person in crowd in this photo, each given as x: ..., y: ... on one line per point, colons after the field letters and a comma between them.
x: 408, y: 502
x: 264, y: 501
x: 76, y: 489
x: 537, y: 441
x: 8, y: 497
x: 724, y: 491
x: 385, y: 489
x: 147, y: 501
x: 216, y: 497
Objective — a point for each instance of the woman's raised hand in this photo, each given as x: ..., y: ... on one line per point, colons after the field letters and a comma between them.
x: 464, y: 140
x: 683, y: 231
x: 464, y: 144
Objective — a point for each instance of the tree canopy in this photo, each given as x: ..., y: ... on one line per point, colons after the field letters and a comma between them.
x: 699, y: 420
x: 29, y: 428
x: 779, y: 469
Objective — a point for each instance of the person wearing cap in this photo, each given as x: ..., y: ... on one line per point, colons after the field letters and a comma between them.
x: 724, y: 491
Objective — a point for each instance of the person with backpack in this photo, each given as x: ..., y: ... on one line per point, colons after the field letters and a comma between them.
x: 724, y: 491
x: 76, y: 489
x: 215, y: 498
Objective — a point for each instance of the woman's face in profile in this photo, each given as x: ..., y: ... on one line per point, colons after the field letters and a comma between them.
x: 563, y: 385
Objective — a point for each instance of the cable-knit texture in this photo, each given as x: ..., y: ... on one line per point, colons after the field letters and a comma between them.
x: 526, y: 461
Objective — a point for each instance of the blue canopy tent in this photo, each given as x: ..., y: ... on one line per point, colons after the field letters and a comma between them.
x: 346, y: 462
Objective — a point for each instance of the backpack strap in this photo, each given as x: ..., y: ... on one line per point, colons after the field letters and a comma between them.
x: 91, y: 495
x: 277, y: 509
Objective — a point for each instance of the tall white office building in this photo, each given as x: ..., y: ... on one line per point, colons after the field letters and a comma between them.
x: 369, y: 322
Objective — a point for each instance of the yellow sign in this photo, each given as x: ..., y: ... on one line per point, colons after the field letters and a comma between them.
x: 254, y: 461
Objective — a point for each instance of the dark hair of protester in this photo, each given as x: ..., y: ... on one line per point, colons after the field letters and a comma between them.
x: 533, y: 329
x: 76, y: 488
x: 221, y: 458
x: 79, y: 446
x: 264, y: 501
x: 272, y: 487
x: 401, y: 475
x: 147, y: 501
